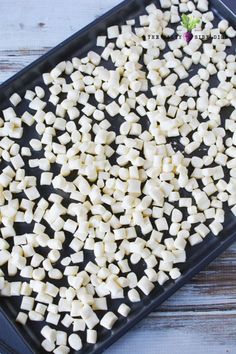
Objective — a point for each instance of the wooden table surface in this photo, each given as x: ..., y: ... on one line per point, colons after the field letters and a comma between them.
x: 201, y: 317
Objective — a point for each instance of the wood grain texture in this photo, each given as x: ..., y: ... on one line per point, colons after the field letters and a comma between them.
x: 200, y: 317
x: 29, y: 29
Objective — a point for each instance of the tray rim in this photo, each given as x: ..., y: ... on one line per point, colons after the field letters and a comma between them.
x: 53, y: 50
x: 191, y: 272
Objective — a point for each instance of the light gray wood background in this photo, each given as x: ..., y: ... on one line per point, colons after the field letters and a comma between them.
x: 201, y: 317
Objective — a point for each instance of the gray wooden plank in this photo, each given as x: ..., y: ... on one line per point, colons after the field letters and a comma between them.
x: 12, y: 61
x: 199, y: 318
x: 29, y: 24
x: 35, y: 27
x: 181, y: 333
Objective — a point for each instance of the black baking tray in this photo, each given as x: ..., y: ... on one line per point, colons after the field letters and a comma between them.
x: 198, y: 256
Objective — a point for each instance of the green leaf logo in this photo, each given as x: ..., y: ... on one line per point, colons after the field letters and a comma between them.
x: 189, y: 22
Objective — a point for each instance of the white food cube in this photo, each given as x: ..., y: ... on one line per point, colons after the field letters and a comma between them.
x: 108, y: 320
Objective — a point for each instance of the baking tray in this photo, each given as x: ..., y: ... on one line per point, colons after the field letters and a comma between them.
x: 197, y: 257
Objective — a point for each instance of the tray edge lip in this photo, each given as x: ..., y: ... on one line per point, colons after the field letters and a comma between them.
x: 216, y: 3
x: 66, y: 41
x: 190, y: 273
x: 5, y: 84
x: 169, y: 292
